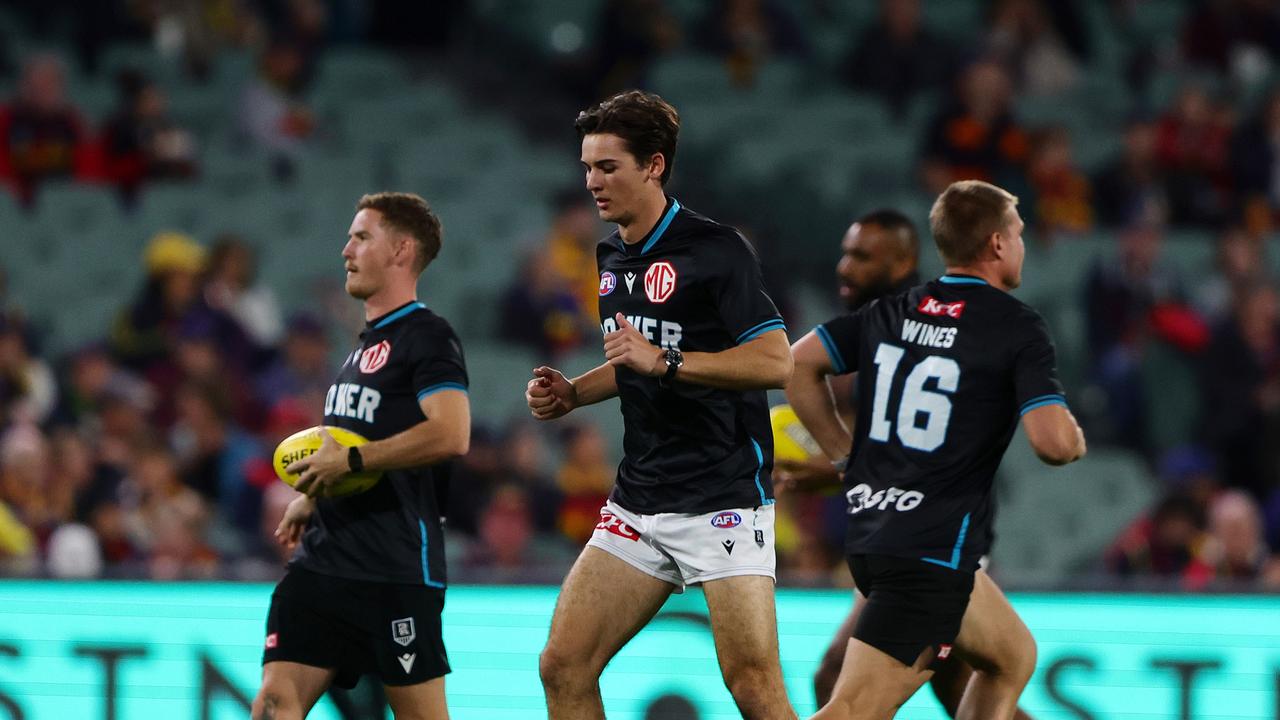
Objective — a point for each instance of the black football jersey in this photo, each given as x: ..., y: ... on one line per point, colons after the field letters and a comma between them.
x: 392, y: 532
x: 695, y: 285
x: 945, y: 371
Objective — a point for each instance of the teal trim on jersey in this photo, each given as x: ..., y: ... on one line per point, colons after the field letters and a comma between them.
x: 433, y: 389
x: 413, y: 307
x: 662, y: 226
x: 955, y: 551
x: 1037, y: 402
x: 759, y: 467
x: 832, y: 352
x: 426, y: 571
x: 762, y: 328
x: 961, y: 280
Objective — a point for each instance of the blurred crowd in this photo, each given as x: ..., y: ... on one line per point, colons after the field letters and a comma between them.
x: 145, y: 454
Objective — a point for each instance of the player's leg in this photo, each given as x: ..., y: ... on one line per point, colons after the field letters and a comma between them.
x: 995, y: 641
x: 289, y: 690
x: 603, y: 603
x: 423, y: 701
x: 833, y: 659
x: 873, y: 685
x: 745, y: 626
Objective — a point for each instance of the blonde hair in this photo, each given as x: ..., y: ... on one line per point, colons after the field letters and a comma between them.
x: 965, y: 215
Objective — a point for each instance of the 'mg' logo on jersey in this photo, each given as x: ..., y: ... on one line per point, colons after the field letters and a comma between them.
x: 350, y: 400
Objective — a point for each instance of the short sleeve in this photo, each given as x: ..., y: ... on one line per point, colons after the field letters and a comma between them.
x: 437, y: 361
x: 840, y: 337
x: 1036, y: 370
x: 746, y: 309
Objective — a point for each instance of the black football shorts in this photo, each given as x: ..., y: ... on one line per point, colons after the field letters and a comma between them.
x: 910, y: 605
x: 388, y: 630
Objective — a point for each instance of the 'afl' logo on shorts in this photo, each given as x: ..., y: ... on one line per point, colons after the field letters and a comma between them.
x: 660, y: 281
x: 372, y: 359
x: 727, y: 519
x: 608, y: 281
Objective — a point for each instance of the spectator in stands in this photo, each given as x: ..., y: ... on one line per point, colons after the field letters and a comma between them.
x: 1130, y: 188
x: 301, y: 373
x: 1239, y: 259
x: 585, y: 478
x: 22, y: 455
x: 507, y: 541
x: 897, y: 57
x: 272, y: 112
x: 1255, y: 157
x: 747, y: 33
x: 143, y: 333
x: 1192, y: 142
x: 975, y: 136
x: 632, y: 34
x: 1061, y: 199
x: 231, y: 285
x: 1169, y: 543
x: 1236, y: 546
x: 28, y: 387
x: 167, y: 519
x: 542, y: 311
x: 524, y: 451
x: 141, y: 142
x: 1241, y: 391
x: 1022, y: 36
x: 475, y: 476
x: 41, y: 135
x: 1218, y: 32
x: 571, y: 248
x: 215, y: 456
x: 1128, y: 303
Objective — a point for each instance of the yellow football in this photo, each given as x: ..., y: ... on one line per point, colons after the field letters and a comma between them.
x: 791, y: 441
x: 305, y: 442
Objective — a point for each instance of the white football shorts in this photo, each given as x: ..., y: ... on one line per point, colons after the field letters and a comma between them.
x: 687, y: 549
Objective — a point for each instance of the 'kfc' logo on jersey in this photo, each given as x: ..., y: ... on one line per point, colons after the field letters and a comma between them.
x: 372, y: 359
x: 930, y: 306
x: 660, y: 281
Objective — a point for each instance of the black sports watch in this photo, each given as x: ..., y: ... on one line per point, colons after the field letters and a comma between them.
x: 355, y: 461
x: 674, y: 359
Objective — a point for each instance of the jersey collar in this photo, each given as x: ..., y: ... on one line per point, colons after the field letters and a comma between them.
x: 958, y: 279
x: 381, y: 322
x: 673, y: 207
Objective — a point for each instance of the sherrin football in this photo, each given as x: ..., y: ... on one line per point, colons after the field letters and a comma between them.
x: 791, y: 441
x: 304, y: 443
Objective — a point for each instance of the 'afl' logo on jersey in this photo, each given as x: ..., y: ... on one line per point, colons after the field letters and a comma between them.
x: 372, y: 359
x: 660, y: 281
x: 608, y: 281
x: 727, y: 519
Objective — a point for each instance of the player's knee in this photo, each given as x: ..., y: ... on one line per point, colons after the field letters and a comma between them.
x: 272, y: 704
x: 1022, y: 663
x: 562, y: 670
x: 753, y: 685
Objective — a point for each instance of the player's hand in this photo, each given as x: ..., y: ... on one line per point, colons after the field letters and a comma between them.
x: 550, y: 394
x: 319, y: 471
x: 626, y: 347
x: 804, y: 476
x: 295, y: 520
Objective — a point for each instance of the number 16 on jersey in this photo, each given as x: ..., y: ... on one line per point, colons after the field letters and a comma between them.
x: 915, y: 400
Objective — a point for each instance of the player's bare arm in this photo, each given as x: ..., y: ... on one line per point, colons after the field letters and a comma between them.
x: 1054, y: 434
x: 443, y: 435
x: 551, y: 395
x: 761, y: 364
x: 294, y: 522
x: 811, y: 397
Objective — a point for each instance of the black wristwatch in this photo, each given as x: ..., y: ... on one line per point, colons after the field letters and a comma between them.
x: 355, y: 461
x: 674, y: 359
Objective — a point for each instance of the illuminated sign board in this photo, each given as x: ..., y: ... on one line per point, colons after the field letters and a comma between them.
x: 125, y: 651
